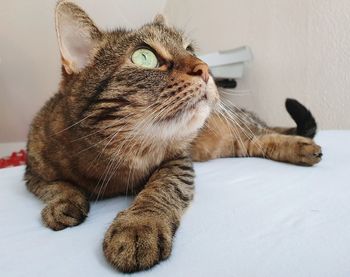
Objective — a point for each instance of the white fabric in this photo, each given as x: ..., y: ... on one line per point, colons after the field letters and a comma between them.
x: 250, y: 217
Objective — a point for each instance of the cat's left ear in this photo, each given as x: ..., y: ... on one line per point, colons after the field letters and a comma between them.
x: 159, y: 19
x: 77, y: 36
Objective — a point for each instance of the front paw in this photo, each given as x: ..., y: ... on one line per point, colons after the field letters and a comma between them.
x: 62, y: 213
x: 307, y: 152
x: 137, y: 243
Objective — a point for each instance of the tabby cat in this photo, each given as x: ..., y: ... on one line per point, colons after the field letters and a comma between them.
x: 133, y: 110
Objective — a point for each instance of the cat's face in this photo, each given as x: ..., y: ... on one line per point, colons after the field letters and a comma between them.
x: 146, y: 81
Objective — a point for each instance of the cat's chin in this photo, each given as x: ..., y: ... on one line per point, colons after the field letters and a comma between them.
x: 183, y: 127
x: 197, y: 115
x: 191, y: 121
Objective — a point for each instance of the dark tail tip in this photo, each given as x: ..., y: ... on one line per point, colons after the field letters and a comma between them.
x: 306, y: 124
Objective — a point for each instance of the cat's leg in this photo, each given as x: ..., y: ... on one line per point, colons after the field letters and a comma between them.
x: 66, y: 206
x: 223, y: 138
x: 274, y: 146
x: 292, y: 149
x: 142, y: 235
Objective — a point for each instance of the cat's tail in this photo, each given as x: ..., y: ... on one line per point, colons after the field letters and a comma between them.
x: 306, y: 123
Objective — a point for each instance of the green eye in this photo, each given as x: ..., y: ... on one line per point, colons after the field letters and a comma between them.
x: 145, y: 58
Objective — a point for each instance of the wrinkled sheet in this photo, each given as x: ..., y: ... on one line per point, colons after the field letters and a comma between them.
x: 250, y: 217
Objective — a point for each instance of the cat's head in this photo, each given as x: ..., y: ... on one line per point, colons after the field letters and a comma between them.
x: 146, y: 81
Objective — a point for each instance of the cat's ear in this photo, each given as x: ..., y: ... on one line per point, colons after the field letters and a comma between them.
x: 159, y: 19
x: 77, y: 36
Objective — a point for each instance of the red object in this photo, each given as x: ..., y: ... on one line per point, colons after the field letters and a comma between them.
x: 16, y: 158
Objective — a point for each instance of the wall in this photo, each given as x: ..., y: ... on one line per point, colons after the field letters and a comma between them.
x: 29, y: 56
x: 301, y: 49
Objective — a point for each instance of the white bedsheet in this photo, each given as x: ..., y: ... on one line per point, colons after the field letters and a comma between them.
x: 250, y: 217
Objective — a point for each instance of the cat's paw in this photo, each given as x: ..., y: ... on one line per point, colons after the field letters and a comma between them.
x: 134, y: 243
x: 306, y: 152
x: 62, y: 213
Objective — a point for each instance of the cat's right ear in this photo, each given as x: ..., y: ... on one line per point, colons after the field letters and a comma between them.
x: 77, y: 36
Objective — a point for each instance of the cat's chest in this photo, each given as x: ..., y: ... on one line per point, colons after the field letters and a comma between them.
x: 127, y: 175
x: 127, y: 171
x: 146, y: 162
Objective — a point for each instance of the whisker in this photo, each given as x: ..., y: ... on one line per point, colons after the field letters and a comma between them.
x: 252, y: 135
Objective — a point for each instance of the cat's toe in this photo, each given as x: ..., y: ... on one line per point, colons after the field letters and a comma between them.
x: 309, y: 153
x: 136, y: 244
x: 61, y: 214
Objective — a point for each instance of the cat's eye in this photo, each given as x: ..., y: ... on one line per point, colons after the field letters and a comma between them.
x: 145, y: 58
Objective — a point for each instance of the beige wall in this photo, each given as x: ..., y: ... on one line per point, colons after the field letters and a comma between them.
x: 301, y: 49
x: 29, y: 57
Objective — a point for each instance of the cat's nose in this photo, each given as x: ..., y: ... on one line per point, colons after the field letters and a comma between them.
x: 200, y: 69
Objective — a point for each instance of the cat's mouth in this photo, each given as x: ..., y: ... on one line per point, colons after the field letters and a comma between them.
x: 208, y: 97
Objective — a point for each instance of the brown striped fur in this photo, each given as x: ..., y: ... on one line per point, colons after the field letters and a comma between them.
x: 223, y: 138
x: 115, y: 128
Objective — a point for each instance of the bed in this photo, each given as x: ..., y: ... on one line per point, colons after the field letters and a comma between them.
x: 250, y: 217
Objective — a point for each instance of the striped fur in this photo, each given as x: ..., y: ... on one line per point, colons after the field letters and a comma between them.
x: 141, y: 236
x: 115, y: 128
x: 238, y: 133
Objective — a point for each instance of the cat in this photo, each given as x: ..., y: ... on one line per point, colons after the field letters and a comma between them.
x: 134, y: 109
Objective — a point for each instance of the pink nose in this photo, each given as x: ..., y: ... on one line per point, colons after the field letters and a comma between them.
x: 202, y: 70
